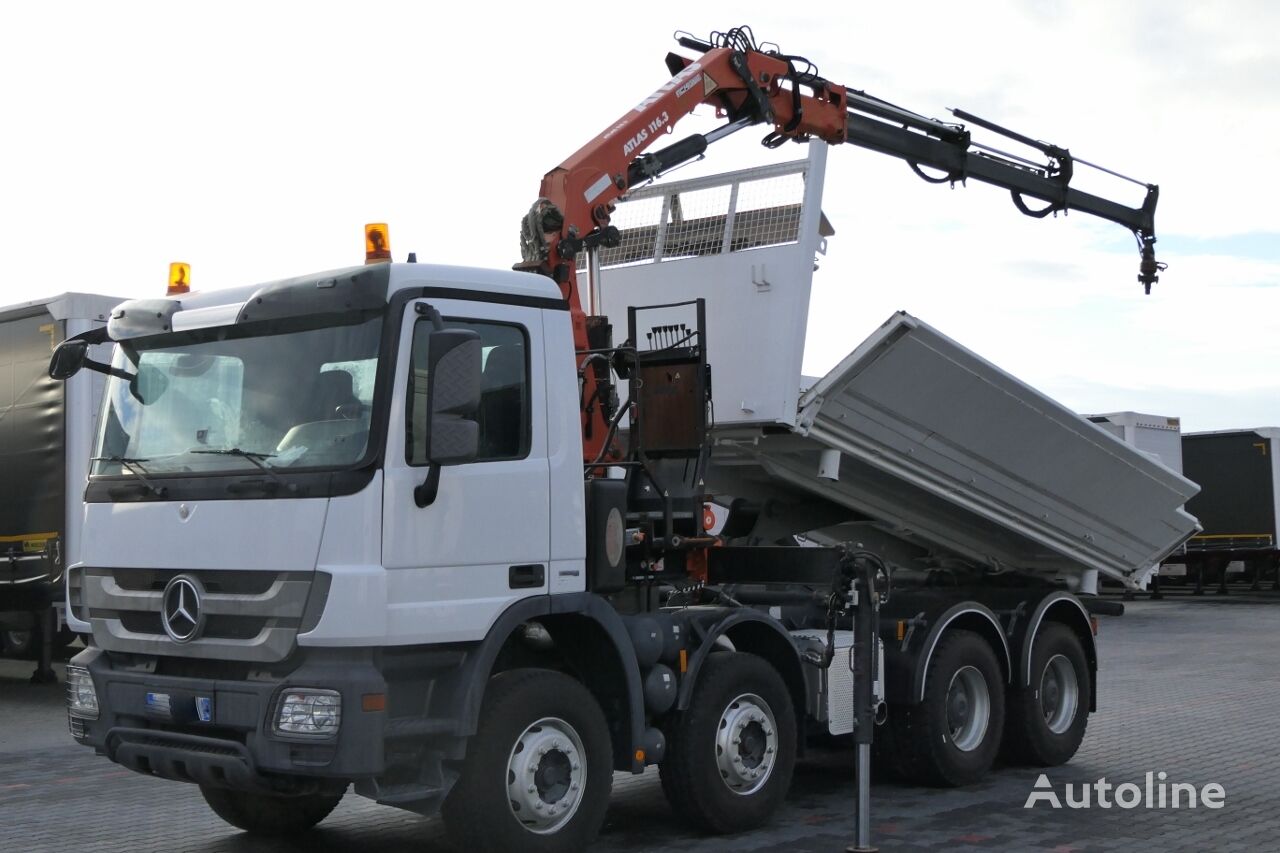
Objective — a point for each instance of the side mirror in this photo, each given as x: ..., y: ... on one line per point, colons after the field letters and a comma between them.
x: 453, y: 396
x: 68, y: 358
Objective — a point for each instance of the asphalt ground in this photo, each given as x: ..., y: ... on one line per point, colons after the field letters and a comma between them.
x: 1189, y: 687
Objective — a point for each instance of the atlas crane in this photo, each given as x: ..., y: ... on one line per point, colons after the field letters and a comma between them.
x: 750, y: 85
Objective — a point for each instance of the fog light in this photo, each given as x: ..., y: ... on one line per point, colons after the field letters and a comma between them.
x: 310, y: 712
x: 82, y: 699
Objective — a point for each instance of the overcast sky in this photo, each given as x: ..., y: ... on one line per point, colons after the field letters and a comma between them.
x: 253, y: 140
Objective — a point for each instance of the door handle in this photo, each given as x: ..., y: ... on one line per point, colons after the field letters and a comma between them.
x: 527, y: 576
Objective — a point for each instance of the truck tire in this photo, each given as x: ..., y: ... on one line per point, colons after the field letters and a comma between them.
x: 19, y: 644
x: 270, y: 815
x: 952, y: 737
x: 23, y: 645
x: 731, y: 754
x: 1047, y: 718
x: 538, y: 771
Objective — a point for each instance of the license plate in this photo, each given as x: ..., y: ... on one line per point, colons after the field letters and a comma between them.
x: 158, y: 703
x: 204, y: 709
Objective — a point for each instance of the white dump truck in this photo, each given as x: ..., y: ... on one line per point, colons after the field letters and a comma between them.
x: 428, y: 532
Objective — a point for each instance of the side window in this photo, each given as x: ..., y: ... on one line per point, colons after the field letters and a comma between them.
x: 504, y: 390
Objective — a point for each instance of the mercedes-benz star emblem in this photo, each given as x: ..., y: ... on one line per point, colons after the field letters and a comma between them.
x: 180, y: 610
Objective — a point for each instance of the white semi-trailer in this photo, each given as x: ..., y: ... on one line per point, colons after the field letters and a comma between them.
x: 46, y: 428
x: 428, y: 532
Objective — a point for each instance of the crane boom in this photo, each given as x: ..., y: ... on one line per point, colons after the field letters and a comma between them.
x: 750, y: 85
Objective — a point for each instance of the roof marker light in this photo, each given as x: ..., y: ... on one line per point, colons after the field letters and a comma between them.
x: 179, y: 278
x: 377, y: 243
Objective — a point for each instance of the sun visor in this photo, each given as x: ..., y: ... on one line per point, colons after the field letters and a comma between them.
x: 138, y: 318
x: 337, y: 292
x: 96, y: 335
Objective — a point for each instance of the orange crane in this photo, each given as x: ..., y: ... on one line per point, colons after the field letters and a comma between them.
x: 752, y: 84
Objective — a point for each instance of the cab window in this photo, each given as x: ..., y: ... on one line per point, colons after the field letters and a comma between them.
x: 504, y: 396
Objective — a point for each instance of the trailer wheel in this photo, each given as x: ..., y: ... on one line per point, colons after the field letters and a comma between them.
x: 271, y: 815
x: 22, y: 644
x: 18, y: 644
x: 952, y: 737
x: 731, y: 754
x: 1047, y: 718
x: 538, y: 771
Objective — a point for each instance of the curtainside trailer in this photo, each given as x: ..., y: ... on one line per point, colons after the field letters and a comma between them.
x: 1238, y: 505
x: 45, y: 431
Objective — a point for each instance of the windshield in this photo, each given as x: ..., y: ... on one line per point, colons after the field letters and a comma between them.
x: 226, y: 400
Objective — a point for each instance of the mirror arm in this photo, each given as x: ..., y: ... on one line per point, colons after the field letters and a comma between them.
x: 432, y: 314
x: 424, y: 495
x: 99, y: 367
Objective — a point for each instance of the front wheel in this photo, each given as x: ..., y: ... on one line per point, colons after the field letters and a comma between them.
x: 731, y: 754
x: 953, y: 736
x: 271, y: 815
x: 538, y: 771
x: 1047, y: 718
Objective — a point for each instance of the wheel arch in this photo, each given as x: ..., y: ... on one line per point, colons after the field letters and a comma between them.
x: 968, y: 616
x: 755, y: 633
x: 591, y: 637
x: 1065, y: 609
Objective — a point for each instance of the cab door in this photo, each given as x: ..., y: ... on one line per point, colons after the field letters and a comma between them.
x: 484, y: 542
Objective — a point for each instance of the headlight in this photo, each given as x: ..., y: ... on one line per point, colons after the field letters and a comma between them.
x: 82, y: 699
x: 311, y: 712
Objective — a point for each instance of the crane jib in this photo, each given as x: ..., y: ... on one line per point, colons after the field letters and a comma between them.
x: 751, y: 84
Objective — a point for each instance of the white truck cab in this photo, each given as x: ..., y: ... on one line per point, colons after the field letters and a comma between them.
x: 242, y: 463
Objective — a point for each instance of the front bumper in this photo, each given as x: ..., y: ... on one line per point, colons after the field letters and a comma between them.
x: 237, y: 745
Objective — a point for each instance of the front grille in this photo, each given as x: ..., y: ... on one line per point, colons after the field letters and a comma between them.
x: 241, y: 627
x: 228, y: 582
x: 138, y: 622
x: 247, y: 615
x: 215, y: 670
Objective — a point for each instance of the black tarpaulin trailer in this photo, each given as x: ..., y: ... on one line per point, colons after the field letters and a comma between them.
x: 45, y: 433
x: 1239, y: 502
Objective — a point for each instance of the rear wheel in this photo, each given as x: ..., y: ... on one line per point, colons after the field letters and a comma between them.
x: 953, y: 736
x: 270, y: 815
x: 1047, y: 718
x: 539, y: 770
x: 730, y: 756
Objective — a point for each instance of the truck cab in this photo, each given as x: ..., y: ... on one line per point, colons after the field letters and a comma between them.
x: 228, y: 462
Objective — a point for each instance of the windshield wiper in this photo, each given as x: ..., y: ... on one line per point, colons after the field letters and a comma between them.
x: 134, y: 467
x: 254, y: 457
